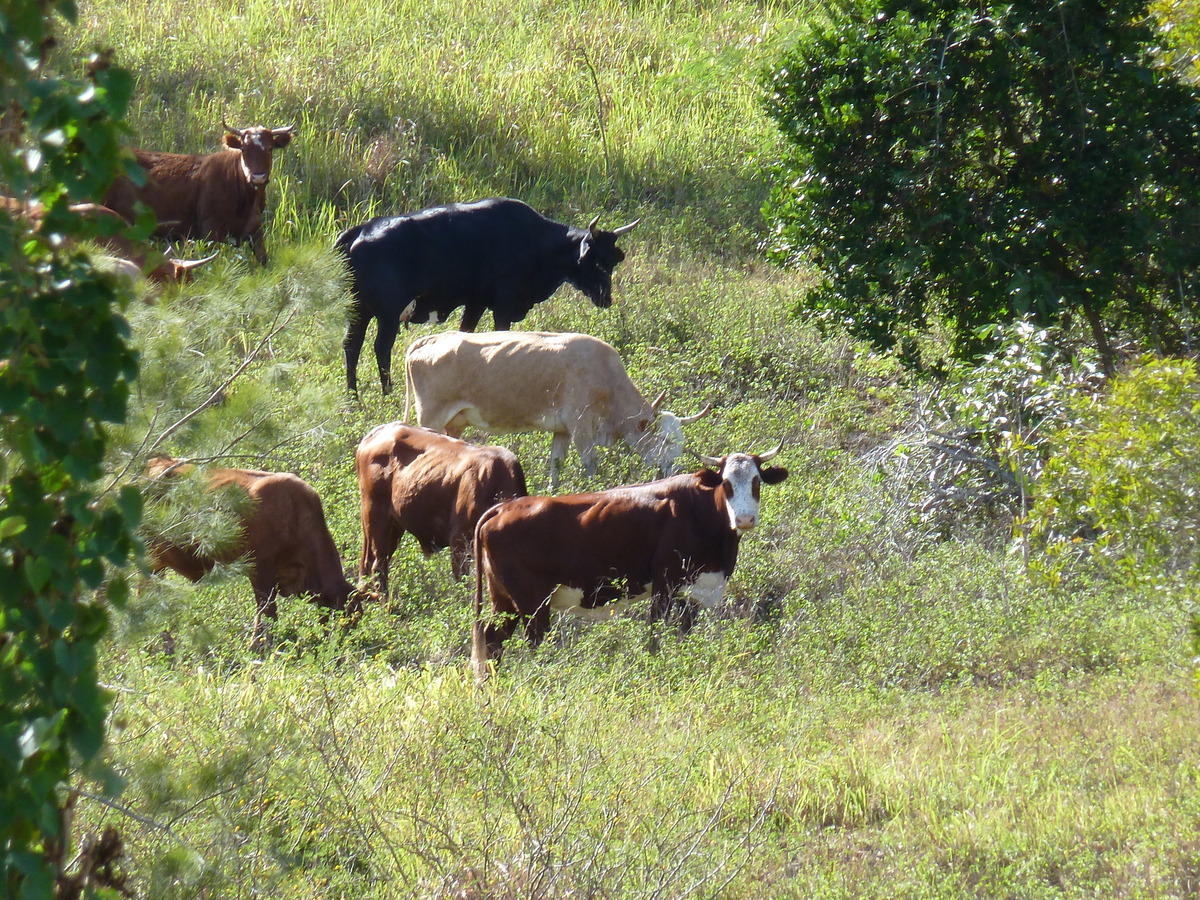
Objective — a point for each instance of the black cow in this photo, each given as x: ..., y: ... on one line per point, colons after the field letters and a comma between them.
x: 496, y: 254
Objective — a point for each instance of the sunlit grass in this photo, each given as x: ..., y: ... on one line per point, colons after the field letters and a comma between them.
x: 874, y: 715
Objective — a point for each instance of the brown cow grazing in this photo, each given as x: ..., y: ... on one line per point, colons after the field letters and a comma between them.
x: 220, y: 196
x: 284, y: 538
x: 127, y: 257
x: 432, y: 486
x: 572, y: 385
x: 674, y: 540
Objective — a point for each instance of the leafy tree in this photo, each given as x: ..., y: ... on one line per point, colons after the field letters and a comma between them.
x: 65, y: 369
x: 975, y: 163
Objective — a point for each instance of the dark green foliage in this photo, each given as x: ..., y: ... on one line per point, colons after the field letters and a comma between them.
x: 65, y: 372
x: 978, y: 163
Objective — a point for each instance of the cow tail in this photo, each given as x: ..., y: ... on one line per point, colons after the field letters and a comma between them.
x: 478, y: 639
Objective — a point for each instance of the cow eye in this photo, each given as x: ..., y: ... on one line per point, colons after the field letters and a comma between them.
x: 728, y: 485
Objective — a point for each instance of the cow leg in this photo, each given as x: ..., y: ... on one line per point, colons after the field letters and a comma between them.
x: 385, y: 338
x: 470, y: 318
x: 264, y: 602
x: 259, y: 246
x: 537, y: 626
x: 460, y: 555
x: 559, y: 445
x: 494, y: 635
x: 380, y: 539
x: 356, y: 333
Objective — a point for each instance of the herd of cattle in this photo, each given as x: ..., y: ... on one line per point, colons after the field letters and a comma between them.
x: 673, y: 540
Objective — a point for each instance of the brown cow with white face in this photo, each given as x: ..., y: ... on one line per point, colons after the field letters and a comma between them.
x: 220, y: 196
x: 284, y: 538
x: 674, y: 540
x: 433, y: 487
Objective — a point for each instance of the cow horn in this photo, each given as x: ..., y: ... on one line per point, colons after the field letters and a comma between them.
x: 688, y: 420
x: 592, y: 225
x: 230, y: 130
x: 193, y: 263
x: 625, y: 229
x: 771, y: 454
x: 287, y: 129
x: 708, y: 460
x: 658, y: 402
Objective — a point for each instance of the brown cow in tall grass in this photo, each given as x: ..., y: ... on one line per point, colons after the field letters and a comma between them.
x: 284, y: 538
x: 219, y: 196
x: 129, y: 256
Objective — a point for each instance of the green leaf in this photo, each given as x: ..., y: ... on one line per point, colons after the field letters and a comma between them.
x: 37, y: 572
x: 11, y: 527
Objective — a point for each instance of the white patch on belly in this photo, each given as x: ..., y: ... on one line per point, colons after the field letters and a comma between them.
x: 566, y: 600
x: 708, y: 590
x: 433, y: 318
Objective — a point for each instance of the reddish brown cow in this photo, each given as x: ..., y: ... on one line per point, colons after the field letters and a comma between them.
x: 674, y: 540
x: 432, y: 486
x: 129, y: 256
x: 220, y: 196
x: 284, y: 538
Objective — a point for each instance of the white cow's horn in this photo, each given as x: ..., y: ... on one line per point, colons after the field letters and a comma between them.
x: 709, y: 460
x: 688, y: 420
x: 230, y: 130
x: 771, y: 454
x: 625, y: 229
x: 658, y: 402
x: 592, y: 225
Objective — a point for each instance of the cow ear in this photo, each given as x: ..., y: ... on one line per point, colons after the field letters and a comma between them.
x: 773, y: 474
x: 709, y: 478
x: 282, y: 139
x: 233, y: 141
x: 585, y: 247
x: 643, y: 424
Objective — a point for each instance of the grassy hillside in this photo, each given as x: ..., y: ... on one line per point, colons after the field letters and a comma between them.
x: 879, y: 712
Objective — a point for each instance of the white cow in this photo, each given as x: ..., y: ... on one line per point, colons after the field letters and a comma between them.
x: 572, y: 385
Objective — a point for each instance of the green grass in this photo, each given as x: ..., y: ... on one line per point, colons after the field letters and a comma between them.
x: 875, y: 714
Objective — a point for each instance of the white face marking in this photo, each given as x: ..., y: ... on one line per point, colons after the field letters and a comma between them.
x: 708, y: 590
x: 741, y: 479
x: 567, y: 599
x: 662, y: 443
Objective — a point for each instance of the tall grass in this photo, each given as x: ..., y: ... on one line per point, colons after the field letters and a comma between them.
x: 874, y: 714
x: 579, y: 109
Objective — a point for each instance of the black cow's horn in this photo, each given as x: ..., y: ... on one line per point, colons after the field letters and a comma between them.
x: 625, y: 229
x: 771, y: 454
x: 658, y: 402
x: 592, y: 225
x: 688, y: 420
